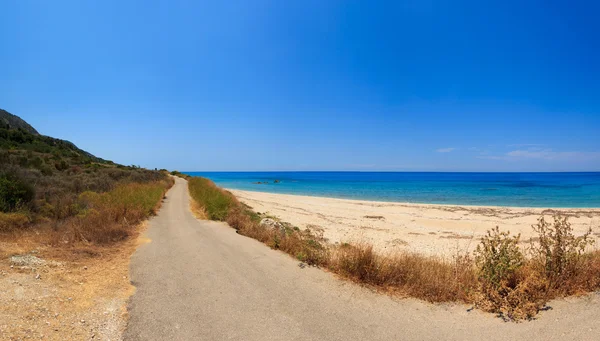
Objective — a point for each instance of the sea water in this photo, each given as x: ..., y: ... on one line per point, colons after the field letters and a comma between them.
x: 487, y: 189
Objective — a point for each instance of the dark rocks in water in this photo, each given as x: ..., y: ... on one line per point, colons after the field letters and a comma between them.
x: 266, y: 182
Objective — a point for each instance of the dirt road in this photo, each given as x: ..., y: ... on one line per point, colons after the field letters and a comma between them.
x: 200, y: 280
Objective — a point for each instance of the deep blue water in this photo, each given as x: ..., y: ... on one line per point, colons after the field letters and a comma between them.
x: 493, y: 189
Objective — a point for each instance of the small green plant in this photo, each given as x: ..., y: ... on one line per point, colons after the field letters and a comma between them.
x: 559, y: 253
x: 498, y: 257
x: 506, y: 286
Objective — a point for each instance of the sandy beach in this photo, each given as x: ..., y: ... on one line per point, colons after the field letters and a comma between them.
x: 424, y: 228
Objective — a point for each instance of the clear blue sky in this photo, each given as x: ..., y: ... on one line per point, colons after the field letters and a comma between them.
x: 310, y: 85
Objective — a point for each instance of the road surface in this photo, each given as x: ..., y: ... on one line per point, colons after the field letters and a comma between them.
x: 199, y: 280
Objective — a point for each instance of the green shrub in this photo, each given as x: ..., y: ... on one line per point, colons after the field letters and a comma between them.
x: 61, y: 165
x: 498, y: 257
x: 558, y: 252
x: 14, y: 192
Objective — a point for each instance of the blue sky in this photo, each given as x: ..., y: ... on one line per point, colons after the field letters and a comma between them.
x: 310, y: 85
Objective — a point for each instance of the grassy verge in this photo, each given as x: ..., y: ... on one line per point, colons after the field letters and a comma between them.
x: 94, y: 218
x: 499, y: 277
x: 110, y: 216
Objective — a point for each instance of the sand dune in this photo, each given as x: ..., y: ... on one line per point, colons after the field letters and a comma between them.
x: 429, y: 229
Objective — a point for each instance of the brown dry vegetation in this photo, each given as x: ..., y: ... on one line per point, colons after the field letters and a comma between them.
x: 65, y: 195
x: 97, y: 218
x: 79, y: 294
x: 500, y: 277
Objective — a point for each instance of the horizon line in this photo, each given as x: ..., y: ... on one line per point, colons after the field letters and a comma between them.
x: 373, y: 171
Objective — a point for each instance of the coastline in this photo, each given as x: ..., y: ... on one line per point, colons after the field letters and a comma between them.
x: 430, y: 229
x: 408, y: 203
x: 497, y: 189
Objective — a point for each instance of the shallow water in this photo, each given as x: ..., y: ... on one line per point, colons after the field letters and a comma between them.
x: 489, y: 189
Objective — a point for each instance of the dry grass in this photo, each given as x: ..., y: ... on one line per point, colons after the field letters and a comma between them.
x: 216, y: 202
x: 91, y: 283
x: 10, y: 221
x: 198, y: 211
x: 428, y: 278
x: 101, y: 217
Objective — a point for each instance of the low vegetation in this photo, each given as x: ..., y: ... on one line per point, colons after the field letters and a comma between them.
x: 179, y: 174
x: 64, y: 195
x: 500, y: 277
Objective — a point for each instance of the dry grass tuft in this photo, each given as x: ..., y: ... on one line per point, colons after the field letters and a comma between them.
x: 198, y: 211
x: 429, y: 278
x: 10, y: 221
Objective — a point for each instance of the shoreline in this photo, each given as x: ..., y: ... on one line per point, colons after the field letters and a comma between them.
x: 408, y: 203
x: 430, y: 229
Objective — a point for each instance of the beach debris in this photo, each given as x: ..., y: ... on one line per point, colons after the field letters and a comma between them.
x: 378, y: 217
x: 26, y: 260
x: 274, y: 224
x: 270, y: 223
x: 29, y: 261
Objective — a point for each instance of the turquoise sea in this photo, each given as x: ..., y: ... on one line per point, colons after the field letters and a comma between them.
x: 489, y: 189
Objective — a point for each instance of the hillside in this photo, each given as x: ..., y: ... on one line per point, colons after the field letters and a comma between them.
x: 10, y: 121
x: 42, y: 177
x: 16, y: 134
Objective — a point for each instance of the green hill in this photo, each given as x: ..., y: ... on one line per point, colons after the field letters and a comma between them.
x: 10, y: 121
x: 43, y: 176
x: 16, y: 134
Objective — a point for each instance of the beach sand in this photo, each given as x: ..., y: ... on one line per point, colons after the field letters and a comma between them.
x: 428, y: 229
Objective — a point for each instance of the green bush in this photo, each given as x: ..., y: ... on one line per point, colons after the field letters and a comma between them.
x: 61, y: 165
x: 498, y: 257
x: 507, y: 283
x: 14, y: 193
x: 559, y: 253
